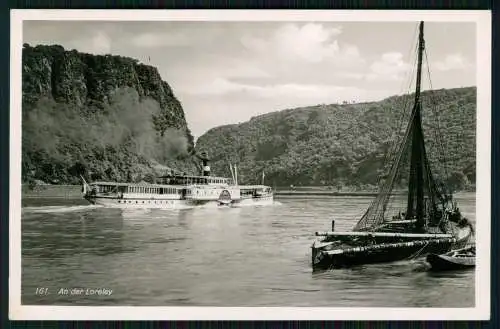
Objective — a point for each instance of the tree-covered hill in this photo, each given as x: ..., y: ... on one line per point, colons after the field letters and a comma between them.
x: 345, y: 145
x: 108, y: 116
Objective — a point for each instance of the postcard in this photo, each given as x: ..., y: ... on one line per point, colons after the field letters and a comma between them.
x: 239, y: 165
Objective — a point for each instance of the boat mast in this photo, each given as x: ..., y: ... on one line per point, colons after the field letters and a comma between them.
x: 421, y: 47
x: 416, y: 184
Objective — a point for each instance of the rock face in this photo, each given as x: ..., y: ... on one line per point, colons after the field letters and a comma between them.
x: 83, y: 79
x: 110, y: 115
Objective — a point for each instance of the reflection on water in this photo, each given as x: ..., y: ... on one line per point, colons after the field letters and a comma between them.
x: 250, y: 256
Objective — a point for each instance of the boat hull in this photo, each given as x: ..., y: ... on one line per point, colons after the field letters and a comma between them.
x: 344, y: 249
x: 445, y: 263
x: 379, y: 253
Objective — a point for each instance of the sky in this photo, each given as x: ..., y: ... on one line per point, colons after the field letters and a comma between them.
x: 228, y: 72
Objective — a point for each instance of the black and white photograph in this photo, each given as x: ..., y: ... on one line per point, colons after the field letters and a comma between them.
x: 250, y: 165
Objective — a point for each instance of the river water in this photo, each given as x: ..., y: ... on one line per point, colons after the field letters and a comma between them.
x: 250, y: 256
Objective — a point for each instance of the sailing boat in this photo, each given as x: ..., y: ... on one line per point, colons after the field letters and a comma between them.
x: 393, y: 227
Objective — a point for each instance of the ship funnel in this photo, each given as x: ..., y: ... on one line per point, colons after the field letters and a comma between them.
x: 206, y: 167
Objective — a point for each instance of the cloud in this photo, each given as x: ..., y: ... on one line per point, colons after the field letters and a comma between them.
x: 315, y: 92
x: 310, y: 43
x: 98, y: 42
x: 452, y: 62
x: 156, y: 40
x: 390, y: 66
x: 101, y: 43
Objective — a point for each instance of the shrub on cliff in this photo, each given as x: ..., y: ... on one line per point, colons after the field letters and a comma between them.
x: 117, y: 142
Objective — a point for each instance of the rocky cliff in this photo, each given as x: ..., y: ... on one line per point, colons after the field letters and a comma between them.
x: 109, y: 115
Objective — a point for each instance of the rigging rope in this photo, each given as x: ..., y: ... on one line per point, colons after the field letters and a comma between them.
x: 437, y: 132
x: 385, y: 187
x: 392, y: 150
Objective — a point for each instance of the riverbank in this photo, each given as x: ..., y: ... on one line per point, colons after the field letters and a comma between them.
x: 51, y: 191
x: 75, y: 191
x: 322, y: 193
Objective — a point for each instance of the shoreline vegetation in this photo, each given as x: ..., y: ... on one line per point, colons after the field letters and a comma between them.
x: 75, y: 191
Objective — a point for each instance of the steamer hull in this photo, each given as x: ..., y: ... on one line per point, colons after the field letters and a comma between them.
x: 255, y: 201
x: 145, y: 204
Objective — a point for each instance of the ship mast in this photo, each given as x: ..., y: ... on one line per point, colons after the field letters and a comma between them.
x: 421, y: 47
x: 418, y: 158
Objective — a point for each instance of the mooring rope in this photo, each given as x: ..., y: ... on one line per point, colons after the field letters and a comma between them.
x: 419, y: 251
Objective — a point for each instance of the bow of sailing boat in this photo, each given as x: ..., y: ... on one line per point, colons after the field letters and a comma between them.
x: 424, y: 220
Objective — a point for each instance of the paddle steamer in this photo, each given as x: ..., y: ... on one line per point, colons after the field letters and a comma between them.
x: 178, y: 191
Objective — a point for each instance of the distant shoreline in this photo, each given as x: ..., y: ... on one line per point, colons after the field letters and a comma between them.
x: 75, y: 192
x: 325, y: 193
